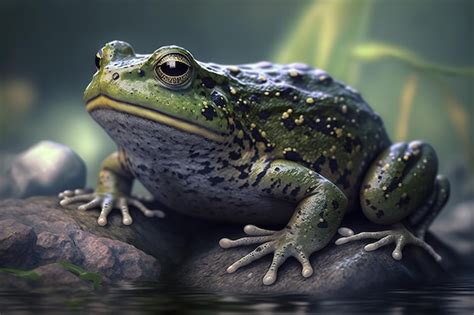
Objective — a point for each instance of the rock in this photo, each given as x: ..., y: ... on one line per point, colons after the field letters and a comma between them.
x: 46, y: 168
x: 456, y: 228
x: 37, y: 232
x: 53, y: 275
x: 338, y: 270
x: 17, y: 241
x: 46, y: 276
x: 184, y: 253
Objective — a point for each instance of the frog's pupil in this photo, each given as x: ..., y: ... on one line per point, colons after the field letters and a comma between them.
x: 174, y: 68
x: 97, y: 62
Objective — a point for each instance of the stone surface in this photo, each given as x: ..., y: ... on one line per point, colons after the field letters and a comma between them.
x: 37, y: 232
x: 338, y: 270
x: 457, y: 229
x: 46, y: 168
x: 53, y: 275
x: 17, y: 241
x: 183, y: 252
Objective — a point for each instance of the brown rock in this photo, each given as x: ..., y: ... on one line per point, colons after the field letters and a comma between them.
x: 17, y: 243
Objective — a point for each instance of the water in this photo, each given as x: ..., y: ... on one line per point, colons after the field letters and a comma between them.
x: 452, y: 296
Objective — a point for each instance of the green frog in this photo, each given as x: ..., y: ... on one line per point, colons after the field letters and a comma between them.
x: 262, y: 143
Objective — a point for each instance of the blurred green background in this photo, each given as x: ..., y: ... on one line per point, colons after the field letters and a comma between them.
x: 411, y: 60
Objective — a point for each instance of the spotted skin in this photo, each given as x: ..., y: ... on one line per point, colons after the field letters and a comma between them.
x: 258, y: 143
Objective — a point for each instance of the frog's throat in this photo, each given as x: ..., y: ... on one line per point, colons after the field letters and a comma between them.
x: 105, y: 102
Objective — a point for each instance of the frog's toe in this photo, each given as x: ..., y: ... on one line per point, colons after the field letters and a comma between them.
x: 94, y: 203
x: 428, y: 248
x: 279, y: 258
x: 227, y: 243
x: 66, y: 193
x: 256, y: 231
x: 123, y: 205
x: 147, y: 212
x: 345, y: 231
x: 105, y: 211
x: 75, y: 192
x: 257, y: 253
x: 281, y: 243
x: 360, y: 236
x: 400, y: 235
x: 68, y: 200
x: 282, y: 253
x: 380, y: 243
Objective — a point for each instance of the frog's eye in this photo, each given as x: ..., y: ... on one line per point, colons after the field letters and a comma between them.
x: 98, y: 57
x: 174, y: 70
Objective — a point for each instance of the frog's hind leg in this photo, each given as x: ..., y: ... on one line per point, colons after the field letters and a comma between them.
x: 421, y: 219
x: 403, y: 190
x: 320, y: 208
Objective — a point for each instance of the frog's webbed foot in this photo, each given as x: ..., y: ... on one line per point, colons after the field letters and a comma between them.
x: 107, y: 202
x: 399, y: 235
x: 282, y: 243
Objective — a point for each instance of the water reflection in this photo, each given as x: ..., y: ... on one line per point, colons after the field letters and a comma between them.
x: 455, y: 295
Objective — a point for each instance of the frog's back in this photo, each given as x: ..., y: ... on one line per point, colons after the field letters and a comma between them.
x: 300, y: 113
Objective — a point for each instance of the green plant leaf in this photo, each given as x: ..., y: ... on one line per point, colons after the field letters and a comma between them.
x: 375, y: 51
x: 27, y: 274
x: 83, y: 274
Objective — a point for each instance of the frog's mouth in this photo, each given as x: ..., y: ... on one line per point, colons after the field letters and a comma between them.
x: 106, y: 102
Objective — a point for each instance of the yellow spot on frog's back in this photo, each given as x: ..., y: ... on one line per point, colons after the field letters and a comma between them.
x: 240, y: 134
x: 338, y: 132
x: 310, y: 100
x: 262, y: 78
x: 252, y: 126
x: 288, y: 149
x: 277, y: 93
x: 293, y: 73
x: 233, y: 90
x: 286, y: 114
x: 233, y: 69
x: 344, y: 109
x: 299, y: 120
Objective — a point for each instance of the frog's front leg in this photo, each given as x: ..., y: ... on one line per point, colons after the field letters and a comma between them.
x: 113, y: 190
x: 318, y: 214
x: 402, y: 188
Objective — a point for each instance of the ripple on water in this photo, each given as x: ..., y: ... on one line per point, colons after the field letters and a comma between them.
x: 455, y: 295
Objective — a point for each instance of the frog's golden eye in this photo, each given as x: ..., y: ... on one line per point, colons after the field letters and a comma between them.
x: 174, y: 70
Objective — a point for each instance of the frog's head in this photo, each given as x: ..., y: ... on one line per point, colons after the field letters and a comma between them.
x: 168, y: 87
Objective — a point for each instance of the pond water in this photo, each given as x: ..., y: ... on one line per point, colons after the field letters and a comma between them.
x: 452, y: 296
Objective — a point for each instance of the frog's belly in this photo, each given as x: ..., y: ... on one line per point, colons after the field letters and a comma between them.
x: 232, y: 205
x: 194, y: 195
x: 160, y: 158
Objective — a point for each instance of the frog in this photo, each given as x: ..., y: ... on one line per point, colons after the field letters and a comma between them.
x: 258, y: 144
